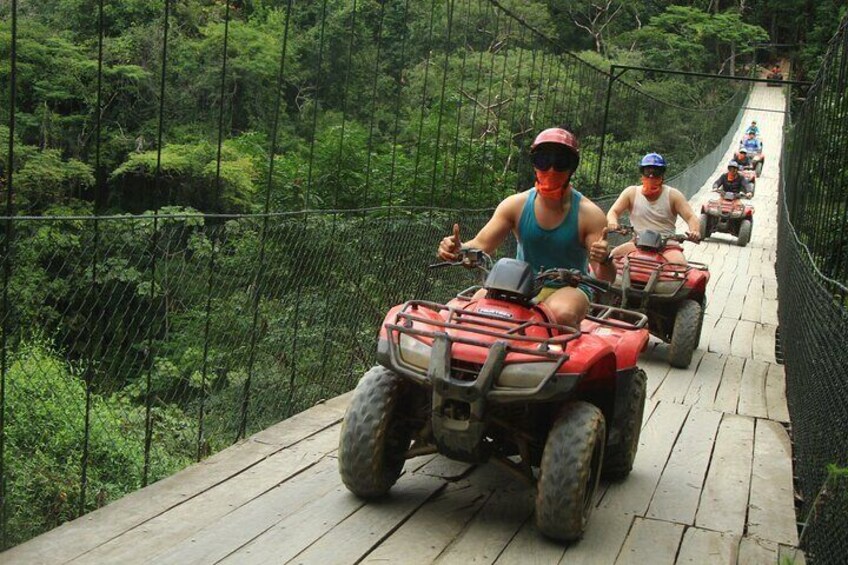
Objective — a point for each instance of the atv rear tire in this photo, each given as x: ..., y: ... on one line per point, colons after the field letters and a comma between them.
x: 373, y: 440
x: 705, y: 226
x: 570, y: 470
x: 758, y: 168
x: 744, y: 233
x: 618, y: 458
x: 684, y: 337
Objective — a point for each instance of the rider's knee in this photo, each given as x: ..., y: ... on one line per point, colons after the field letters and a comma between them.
x: 569, y: 308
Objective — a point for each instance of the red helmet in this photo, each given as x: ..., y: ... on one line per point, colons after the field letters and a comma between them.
x: 559, y: 136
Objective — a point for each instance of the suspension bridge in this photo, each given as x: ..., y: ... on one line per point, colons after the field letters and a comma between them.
x: 172, y: 383
x: 712, y: 479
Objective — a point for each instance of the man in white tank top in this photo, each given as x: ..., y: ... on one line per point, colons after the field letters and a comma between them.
x: 653, y: 206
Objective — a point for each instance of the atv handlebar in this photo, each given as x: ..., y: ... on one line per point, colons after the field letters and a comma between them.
x: 469, y: 258
x: 571, y: 277
x: 681, y: 237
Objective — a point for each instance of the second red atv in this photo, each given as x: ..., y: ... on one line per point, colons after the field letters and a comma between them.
x: 673, y: 296
x: 496, y: 378
x: 728, y: 214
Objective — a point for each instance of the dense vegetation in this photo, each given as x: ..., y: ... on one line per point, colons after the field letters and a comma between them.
x: 167, y: 324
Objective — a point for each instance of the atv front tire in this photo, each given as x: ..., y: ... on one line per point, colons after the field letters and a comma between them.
x: 684, y: 337
x: 744, y: 233
x: 705, y: 226
x: 759, y: 168
x: 373, y: 440
x: 570, y: 470
x: 618, y: 458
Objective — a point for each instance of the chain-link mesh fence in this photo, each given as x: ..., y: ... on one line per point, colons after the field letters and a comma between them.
x: 135, y: 345
x: 812, y: 275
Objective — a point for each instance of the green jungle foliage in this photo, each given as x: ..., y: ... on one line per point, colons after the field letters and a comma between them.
x: 170, y: 322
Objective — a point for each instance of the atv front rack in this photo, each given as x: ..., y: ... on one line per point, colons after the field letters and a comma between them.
x: 664, y: 279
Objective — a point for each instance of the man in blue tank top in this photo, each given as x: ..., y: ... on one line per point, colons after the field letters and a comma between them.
x: 556, y: 226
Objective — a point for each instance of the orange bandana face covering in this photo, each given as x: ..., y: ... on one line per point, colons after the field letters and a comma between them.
x: 551, y: 183
x: 731, y: 175
x: 651, y: 187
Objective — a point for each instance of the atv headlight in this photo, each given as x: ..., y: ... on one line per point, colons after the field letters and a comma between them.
x: 414, y: 352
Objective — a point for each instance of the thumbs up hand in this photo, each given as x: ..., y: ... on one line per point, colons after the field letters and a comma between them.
x: 599, y: 251
x: 449, y: 246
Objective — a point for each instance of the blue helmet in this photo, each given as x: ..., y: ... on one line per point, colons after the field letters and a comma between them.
x: 652, y: 160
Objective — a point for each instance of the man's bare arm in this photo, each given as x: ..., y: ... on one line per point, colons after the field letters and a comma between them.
x: 596, y: 243
x: 622, y: 204
x: 490, y: 237
x: 681, y: 207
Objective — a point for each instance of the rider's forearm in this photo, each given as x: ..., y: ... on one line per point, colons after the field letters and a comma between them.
x: 612, y: 217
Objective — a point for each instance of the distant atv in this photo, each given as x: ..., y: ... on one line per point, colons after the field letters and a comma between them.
x: 728, y: 214
x: 497, y: 378
x: 774, y: 74
x: 750, y: 175
x: 673, y: 296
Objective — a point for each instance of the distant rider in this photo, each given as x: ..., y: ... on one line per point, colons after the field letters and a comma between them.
x: 752, y: 145
x: 653, y: 206
x: 732, y: 181
x: 743, y: 160
x: 753, y: 128
x: 555, y: 225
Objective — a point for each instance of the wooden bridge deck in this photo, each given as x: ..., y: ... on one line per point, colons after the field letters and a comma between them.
x: 712, y: 481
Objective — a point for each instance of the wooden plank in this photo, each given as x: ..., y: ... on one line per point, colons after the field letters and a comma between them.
x: 724, y: 500
x: 95, y: 528
x: 763, y: 347
x: 770, y: 289
x: 676, y: 384
x: 727, y: 397
x: 771, y: 510
x: 722, y: 335
x: 339, y: 528
x: 633, y: 495
x: 768, y: 313
x: 743, y: 339
x: 707, y: 331
x: 493, y: 527
x: 605, y: 535
x: 705, y: 546
x: 735, y: 299
x: 656, y: 369
x: 704, y: 386
x: 530, y: 547
x: 679, y: 489
x: 650, y: 541
x: 181, y: 522
x: 757, y: 552
x: 752, y: 391
x: 716, y: 303
x: 776, y: 393
x: 442, y: 518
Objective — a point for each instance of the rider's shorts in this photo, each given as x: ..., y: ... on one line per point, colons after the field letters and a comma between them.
x: 549, y: 290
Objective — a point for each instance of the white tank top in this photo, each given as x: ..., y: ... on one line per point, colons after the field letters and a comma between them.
x: 656, y: 215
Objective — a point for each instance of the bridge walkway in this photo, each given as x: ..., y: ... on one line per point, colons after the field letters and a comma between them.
x: 712, y: 481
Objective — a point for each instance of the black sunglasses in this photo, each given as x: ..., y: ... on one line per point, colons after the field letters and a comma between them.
x: 559, y: 160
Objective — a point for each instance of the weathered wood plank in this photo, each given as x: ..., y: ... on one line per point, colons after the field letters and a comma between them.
x: 651, y: 541
x: 340, y: 528
x: 655, y: 444
x: 722, y: 335
x: 724, y: 501
x: 180, y: 523
x: 705, y: 546
x: 603, y: 540
x: 771, y: 510
x: 75, y: 538
x: 679, y: 489
x: 757, y: 552
x: 442, y: 518
x: 776, y: 393
x: 705, y: 385
x: 727, y: 397
x: 707, y: 331
x: 530, y: 547
x: 768, y: 313
x: 677, y: 382
x: 752, y: 391
x: 764, y: 342
x: 743, y: 339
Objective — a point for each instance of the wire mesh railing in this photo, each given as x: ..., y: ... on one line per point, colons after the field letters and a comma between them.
x: 812, y: 269
x: 324, y: 142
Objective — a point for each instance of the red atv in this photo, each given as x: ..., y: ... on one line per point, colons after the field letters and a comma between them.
x: 496, y: 378
x: 670, y: 294
x: 728, y: 214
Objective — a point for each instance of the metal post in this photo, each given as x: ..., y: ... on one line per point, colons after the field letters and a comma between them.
x: 612, y: 78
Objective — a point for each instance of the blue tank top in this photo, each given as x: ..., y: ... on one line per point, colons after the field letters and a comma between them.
x: 559, y: 247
